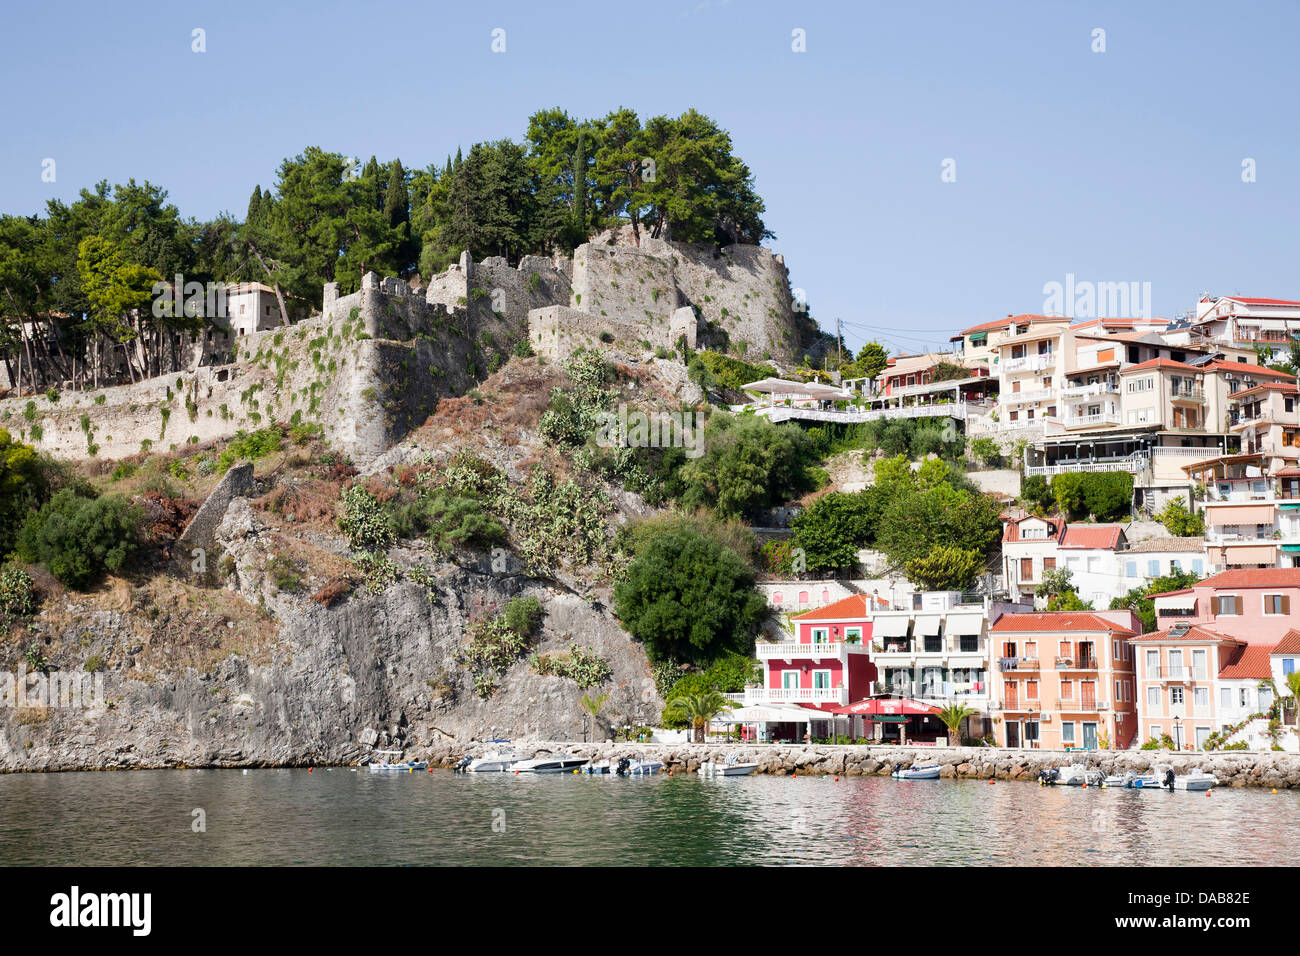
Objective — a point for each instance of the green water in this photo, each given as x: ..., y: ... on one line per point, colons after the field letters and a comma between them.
x: 338, y: 817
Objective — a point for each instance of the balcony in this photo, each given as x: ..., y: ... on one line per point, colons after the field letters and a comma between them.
x: 1027, y: 395
x: 1085, y: 663
x: 1132, y: 463
x: 1177, y: 672
x: 1030, y: 363
x: 1018, y: 663
x: 1078, y: 392
x: 796, y: 695
x: 1092, y: 421
x: 1187, y: 394
x: 789, y: 650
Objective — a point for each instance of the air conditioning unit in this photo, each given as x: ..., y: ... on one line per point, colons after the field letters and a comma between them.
x: 1046, y: 718
x: 1102, y: 705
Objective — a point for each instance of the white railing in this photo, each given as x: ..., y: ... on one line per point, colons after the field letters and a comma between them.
x: 796, y: 695
x: 782, y: 413
x: 1031, y: 363
x: 1100, y: 418
x: 1027, y: 395
x: 790, y: 649
x: 1133, y: 463
x: 1196, y: 454
x: 1071, y: 392
x: 1178, y: 672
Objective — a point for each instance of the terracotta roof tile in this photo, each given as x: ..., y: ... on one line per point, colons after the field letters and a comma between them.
x: 1013, y: 320
x: 1245, y: 368
x: 852, y: 607
x: 1057, y: 621
x: 1097, y: 536
x: 1254, y: 578
x: 1250, y: 662
x: 1290, y: 643
x: 1161, y: 363
x: 1253, y: 301
x: 1194, y: 634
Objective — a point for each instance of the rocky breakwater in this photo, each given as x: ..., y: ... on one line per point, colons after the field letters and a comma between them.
x: 1233, y: 768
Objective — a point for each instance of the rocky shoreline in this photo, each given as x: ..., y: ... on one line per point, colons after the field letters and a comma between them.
x: 1232, y: 768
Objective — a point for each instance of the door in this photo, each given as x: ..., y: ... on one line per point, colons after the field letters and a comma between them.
x: 1088, y: 695
x: 789, y: 679
x: 1089, y: 736
x: 1013, y: 733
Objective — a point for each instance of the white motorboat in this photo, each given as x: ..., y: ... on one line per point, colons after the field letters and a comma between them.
x: 1075, y: 775
x: 1133, y: 781
x: 495, y: 761
x: 731, y: 767
x: 554, y: 763
x: 1196, y: 780
x: 593, y: 767
x: 640, y: 767
x: 383, y: 766
x: 914, y: 772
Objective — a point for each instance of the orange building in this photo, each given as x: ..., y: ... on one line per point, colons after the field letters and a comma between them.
x: 1065, y: 679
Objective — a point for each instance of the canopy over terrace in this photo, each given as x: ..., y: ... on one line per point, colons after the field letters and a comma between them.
x: 759, y: 716
x: 895, y: 712
x: 779, y: 389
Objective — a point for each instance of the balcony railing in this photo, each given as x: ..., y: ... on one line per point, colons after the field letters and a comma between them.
x: 1178, y: 672
x: 1187, y: 394
x: 791, y: 649
x: 1030, y: 363
x: 1018, y: 663
x: 1132, y: 463
x: 1099, y: 418
x: 796, y: 695
x: 1195, y: 454
x: 1085, y: 663
x: 1075, y: 392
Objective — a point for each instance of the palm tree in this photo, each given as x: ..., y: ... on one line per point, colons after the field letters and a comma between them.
x: 697, y: 710
x: 592, y: 706
x: 952, y: 715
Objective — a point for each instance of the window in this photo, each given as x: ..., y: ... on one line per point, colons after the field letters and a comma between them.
x: 803, y: 597
x: 1153, y: 662
x: 1225, y: 697
x: 820, y: 635
x: 822, y: 680
x: 1067, y: 690
x: 1198, y: 567
x: 1094, y: 563
x: 1049, y: 564
x: 1155, y: 731
x: 1153, y: 568
x: 1277, y: 604
x: 1175, y: 695
x: 1130, y: 569
x: 1067, y: 733
x: 1201, y: 698
x: 777, y: 597
x: 853, y: 635
x: 1031, y: 690
x: 1174, y: 566
x: 1225, y: 604
x: 826, y: 596
x: 1288, y: 665
x: 1026, y: 569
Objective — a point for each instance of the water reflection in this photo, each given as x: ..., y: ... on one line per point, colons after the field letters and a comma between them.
x: 335, y: 816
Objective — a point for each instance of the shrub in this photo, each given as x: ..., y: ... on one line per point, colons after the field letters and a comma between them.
x: 24, y: 483
x: 497, y: 642
x: 254, y: 446
x: 449, y: 521
x: 1180, y: 522
x: 748, y: 463
x: 284, y: 573
x: 833, y: 529
x: 17, y: 593
x: 79, y: 539
x: 365, y: 522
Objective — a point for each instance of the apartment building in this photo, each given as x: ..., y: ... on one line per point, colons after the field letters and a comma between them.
x: 1195, y: 680
x: 1252, y: 605
x: 1240, y: 322
x: 979, y: 345
x: 1065, y: 679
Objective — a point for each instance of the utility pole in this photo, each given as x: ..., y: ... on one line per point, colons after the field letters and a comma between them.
x: 839, y: 342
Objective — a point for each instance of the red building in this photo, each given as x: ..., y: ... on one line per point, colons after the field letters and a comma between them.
x: 827, y: 666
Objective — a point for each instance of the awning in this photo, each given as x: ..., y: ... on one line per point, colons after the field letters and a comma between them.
x: 1221, y: 513
x: 927, y: 624
x: 965, y: 623
x: 760, y: 714
x: 889, y: 626
x: 888, y: 706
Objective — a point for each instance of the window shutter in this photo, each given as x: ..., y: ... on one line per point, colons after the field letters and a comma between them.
x: 1286, y: 604
x: 1236, y: 604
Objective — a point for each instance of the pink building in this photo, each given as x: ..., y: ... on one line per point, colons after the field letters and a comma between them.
x: 827, y: 666
x: 1253, y: 605
x: 1197, y: 680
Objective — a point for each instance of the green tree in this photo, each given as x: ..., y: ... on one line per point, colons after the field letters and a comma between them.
x: 952, y: 715
x: 748, y: 463
x: 687, y: 597
x: 697, y: 710
x: 591, y: 707
x: 1068, y: 494
x: 1036, y: 493
x: 945, y: 568
x: 1180, y: 522
x: 79, y: 539
x: 23, y: 485
x: 833, y: 529
x: 1108, y: 495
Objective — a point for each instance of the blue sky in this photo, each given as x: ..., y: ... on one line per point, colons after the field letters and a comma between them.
x: 1115, y: 166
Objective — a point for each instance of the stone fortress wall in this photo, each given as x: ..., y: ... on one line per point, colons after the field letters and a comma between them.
x: 373, y: 365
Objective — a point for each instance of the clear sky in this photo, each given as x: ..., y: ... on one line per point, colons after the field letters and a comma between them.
x: 1124, y: 165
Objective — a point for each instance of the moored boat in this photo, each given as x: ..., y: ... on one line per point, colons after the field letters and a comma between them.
x: 553, y: 763
x: 1196, y: 780
x: 1075, y: 775
x: 915, y: 772
x: 731, y: 767
x: 496, y: 761
x: 407, y: 766
x: 1132, y: 781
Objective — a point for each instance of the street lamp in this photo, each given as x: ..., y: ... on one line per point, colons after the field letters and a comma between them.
x: 1178, y: 736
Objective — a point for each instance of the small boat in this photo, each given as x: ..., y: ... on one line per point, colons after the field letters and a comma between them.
x: 1133, y: 781
x: 640, y: 767
x: 914, y: 772
x: 406, y: 766
x: 595, y: 768
x: 1075, y: 775
x: 556, y: 763
x: 495, y: 761
x: 732, y: 767
x: 1196, y: 780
